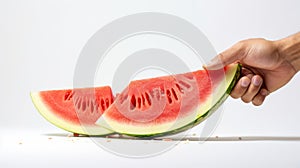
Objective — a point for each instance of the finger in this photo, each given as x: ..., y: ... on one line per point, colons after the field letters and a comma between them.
x: 260, y: 97
x: 253, y: 89
x: 228, y: 56
x: 241, y: 87
x: 246, y: 71
x: 243, y: 84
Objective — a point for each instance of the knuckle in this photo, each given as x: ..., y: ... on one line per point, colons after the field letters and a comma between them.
x: 241, y: 43
x: 235, y: 96
x: 238, y: 92
x: 257, y: 102
x: 246, y: 100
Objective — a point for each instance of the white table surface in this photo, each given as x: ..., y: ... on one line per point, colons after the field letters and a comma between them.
x: 60, y: 149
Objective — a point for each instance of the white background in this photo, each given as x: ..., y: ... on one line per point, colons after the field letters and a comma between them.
x: 40, y: 42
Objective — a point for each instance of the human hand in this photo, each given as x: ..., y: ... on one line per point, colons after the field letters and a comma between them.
x: 265, y: 68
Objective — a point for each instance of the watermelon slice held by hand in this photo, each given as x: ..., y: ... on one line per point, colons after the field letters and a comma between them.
x: 169, y: 104
x: 75, y: 110
x: 149, y: 107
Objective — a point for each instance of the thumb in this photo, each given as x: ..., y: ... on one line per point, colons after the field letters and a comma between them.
x: 227, y: 57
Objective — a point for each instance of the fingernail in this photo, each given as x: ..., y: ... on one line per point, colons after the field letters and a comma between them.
x: 256, y: 81
x: 213, y: 61
x: 245, y: 83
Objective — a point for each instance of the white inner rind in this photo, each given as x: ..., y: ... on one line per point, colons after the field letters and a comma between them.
x: 152, y: 128
x: 48, y: 114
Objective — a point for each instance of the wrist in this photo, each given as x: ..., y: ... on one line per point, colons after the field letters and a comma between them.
x: 289, y: 49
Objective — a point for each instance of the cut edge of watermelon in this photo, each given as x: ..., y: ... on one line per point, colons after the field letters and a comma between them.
x: 201, y: 112
x: 47, y: 113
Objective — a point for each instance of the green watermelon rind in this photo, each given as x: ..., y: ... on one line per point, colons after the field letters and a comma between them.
x: 60, y: 123
x: 202, y: 117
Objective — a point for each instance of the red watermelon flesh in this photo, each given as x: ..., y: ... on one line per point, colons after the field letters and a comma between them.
x: 75, y: 110
x: 169, y: 104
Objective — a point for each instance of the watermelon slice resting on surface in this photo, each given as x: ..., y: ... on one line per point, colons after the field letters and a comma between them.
x: 149, y: 107
x: 75, y: 110
x: 169, y: 104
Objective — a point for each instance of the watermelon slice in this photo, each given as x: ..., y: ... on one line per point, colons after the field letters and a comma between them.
x: 169, y: 104
x: 75, y: 110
